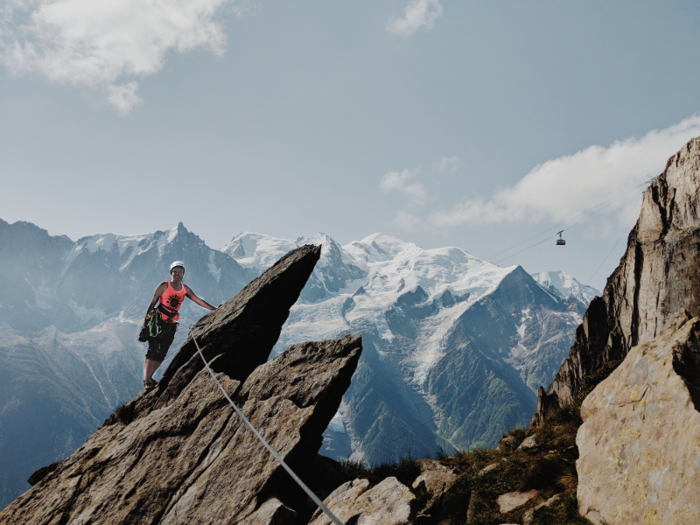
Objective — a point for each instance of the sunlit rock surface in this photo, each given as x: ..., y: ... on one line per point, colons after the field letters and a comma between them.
x: 640, y: 442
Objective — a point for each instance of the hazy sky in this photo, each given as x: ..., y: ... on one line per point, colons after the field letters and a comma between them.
x: 475, y: 124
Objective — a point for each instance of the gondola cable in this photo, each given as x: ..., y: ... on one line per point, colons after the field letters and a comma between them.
x: 594, y: 210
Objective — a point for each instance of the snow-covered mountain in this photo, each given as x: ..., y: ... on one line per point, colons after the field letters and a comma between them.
x: 436, y: 324
x: 564, y: 286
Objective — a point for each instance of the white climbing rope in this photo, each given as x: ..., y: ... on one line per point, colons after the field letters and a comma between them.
x: 299, y: 482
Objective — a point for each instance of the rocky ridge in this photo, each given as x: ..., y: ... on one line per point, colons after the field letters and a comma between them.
x: 70, y: 313
x: 179, y: 454
x: 657, y: 276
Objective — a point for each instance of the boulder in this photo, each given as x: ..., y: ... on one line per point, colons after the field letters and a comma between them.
x: 640, y: 441
x: 529, y: 443
x: 489, y: 468
x: 435, y: 477
x: 513, y: 500
x: 658, y: 274
x: 184, y: 455
x: 387, y: 502
x: 507, y: 443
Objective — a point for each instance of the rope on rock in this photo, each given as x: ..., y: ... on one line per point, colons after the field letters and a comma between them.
x: 286, y: 467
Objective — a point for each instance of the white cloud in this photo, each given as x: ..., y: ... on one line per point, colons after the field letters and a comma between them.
x: 447, y: 164
x: 124, y: 97
x: 105, y: 44
x: 395, y: 181
x: 562, y: 189
x: 418, y: 13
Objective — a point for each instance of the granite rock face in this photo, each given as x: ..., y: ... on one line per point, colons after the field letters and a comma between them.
x: 180, y: 454
x: 640, y: 441
x: 658, y: 275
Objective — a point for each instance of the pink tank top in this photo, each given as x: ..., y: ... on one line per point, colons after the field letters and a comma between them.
x: 172, y: 300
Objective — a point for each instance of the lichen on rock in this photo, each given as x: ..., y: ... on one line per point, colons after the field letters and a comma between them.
x: 640, y: 441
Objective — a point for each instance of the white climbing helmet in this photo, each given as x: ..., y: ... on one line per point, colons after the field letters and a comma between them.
x: 177, y: 263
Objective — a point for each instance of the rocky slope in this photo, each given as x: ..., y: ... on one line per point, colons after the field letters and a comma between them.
x: 179, y: 453
x: 658, y: 275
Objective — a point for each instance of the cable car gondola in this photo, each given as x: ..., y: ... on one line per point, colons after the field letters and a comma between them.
x: 560, y: 241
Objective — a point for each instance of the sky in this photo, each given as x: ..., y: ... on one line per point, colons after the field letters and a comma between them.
x: 489, y: 126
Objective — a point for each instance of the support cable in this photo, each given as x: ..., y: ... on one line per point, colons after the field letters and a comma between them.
x: 286, y: 467
x: 584, y: 215
x: 624, y: 232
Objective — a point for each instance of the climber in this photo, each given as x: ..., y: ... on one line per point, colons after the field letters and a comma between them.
x: 162, y: 321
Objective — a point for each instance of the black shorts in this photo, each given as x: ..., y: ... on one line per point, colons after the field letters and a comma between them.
x: 158, y: 347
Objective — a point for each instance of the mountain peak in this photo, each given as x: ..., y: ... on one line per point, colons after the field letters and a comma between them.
x: 377, y: 247
x: 564, y: 286
x: 256, y: 250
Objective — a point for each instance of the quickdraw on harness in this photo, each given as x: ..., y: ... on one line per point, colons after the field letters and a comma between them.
x: 153, y: 329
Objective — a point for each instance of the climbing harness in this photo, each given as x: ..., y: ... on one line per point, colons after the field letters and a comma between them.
x: 151, y: 329
x: 299, y: 482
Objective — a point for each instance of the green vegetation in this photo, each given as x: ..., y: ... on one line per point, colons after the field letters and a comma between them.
x: 549, y: 468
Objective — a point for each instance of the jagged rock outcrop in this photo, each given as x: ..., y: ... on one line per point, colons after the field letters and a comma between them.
x: 180, y: 454
x: 640, y: 441
x: 658, y: 275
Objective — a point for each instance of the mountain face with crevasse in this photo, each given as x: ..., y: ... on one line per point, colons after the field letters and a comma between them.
x: 454, y: 346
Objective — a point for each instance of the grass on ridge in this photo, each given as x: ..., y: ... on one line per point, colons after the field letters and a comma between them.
x: 406, y: 470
